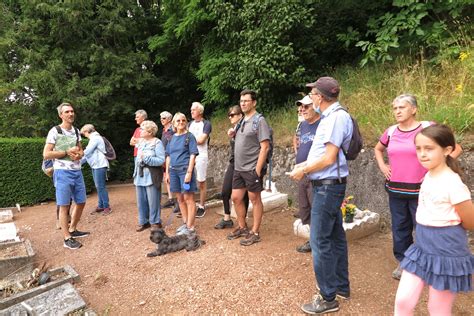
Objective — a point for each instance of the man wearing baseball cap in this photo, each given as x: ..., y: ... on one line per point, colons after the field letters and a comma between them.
x: 327, y: 170
x: 307, y: 129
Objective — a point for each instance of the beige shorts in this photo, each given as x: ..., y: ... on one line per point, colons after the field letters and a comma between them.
x: 201, y: 168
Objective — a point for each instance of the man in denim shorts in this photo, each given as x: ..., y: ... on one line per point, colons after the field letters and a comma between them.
x: 252, y: 144
x: 64, y: 146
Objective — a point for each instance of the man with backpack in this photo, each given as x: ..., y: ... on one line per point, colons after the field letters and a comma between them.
x: 327, y: 169
x: 252, y: 146
x: 64, y: 146
x: 95, y: 155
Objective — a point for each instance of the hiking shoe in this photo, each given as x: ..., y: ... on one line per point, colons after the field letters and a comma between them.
x: 320, y: 306
x: 239, y: 232
x: 201, y: 211
x: 250, y: 239
x: 224, y: 224
x: 71, y: 243
x: 180, y: 228
x: 183, y: 231
x: 304, y: 248
x: 97, y: 210
x: 397, y: 273
x: 79, y: 234
x: 339, y: 294
x: 168, y: 203
x: 106, y: 211
x: 141, y: 228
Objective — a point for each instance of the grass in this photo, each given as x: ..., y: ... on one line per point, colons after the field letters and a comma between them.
x: 445, y: 94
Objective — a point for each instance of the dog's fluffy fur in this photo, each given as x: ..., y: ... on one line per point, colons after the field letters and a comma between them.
x: 166, y: 244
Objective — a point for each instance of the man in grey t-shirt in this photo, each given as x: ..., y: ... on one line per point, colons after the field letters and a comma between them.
x: 252, y: 144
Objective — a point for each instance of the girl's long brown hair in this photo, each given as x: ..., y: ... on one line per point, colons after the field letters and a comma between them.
x: 444, y: 137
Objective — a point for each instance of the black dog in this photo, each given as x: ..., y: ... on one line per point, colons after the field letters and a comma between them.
x: 166, y: 244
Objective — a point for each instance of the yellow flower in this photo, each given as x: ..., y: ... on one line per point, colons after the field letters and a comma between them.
x: 463, y: 56
x: 459, y: 88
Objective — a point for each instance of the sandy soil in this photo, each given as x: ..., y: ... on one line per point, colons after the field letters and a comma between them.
x: 222, y: 277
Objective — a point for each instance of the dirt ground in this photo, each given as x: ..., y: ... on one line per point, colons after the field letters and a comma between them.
x: 222, y: 277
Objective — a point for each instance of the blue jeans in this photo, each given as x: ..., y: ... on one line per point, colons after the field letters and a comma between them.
x: 149, y: 208
x: 403, y: 213
x: 100, y: 176
x: 328, y: 241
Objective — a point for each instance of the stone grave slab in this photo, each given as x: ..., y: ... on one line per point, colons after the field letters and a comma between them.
x: 16, y: 257
x: 61, y: 300
x: 60, y: 276
x: 271, y: 201
x: 8, y: 232
x: 6, y: 216
x: 367, y: 224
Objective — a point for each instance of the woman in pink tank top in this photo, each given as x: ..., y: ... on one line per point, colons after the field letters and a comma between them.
x: 403, y: 173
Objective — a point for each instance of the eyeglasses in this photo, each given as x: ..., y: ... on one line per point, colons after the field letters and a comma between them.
x: 310, y: 94
x: 245, y: 101
x: 232, y: 115
x: 180, y: 121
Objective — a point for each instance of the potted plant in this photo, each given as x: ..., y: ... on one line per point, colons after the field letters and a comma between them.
x: 348, y: 209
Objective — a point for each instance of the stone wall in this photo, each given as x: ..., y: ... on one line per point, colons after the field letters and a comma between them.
x: 365, y: 182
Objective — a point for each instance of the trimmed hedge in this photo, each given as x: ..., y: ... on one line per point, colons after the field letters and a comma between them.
x: 21, y: 178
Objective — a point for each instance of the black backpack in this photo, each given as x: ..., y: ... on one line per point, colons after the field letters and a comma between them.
x: 356, y: 143
x: 255, y: 122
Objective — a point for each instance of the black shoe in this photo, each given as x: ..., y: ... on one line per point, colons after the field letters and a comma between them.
x: 168, y: 203
x: 304, y: 248
x: 71, y: 243
x: 320, y: 306
x: 141, y: 228
x: 201, y: 211
x: 79, y: 234
x: 224, y: 224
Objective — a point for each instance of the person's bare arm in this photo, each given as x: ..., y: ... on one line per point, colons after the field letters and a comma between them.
x: 329, y: 158
x: 466, y: 212
x: 384, y: 168
x: 262, y: 156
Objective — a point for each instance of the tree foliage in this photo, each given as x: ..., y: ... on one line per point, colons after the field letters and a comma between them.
x: 435, y: 27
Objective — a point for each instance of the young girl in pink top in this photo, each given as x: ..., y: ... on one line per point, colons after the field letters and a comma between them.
x: 440, y: 256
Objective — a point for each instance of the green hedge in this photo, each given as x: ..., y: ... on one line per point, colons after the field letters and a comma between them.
x: 21, y: 178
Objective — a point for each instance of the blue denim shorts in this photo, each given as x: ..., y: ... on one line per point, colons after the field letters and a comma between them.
x: 177, y: 176
x: 69, y: 185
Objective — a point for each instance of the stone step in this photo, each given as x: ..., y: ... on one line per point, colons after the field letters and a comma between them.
x: 361, y: 227
x: 60, y: 300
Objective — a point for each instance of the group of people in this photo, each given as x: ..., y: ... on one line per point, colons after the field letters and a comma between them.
x: 425, y: 191
x: 423, y: 181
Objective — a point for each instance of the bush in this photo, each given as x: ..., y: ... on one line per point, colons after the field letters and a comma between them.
x: 21, y: 178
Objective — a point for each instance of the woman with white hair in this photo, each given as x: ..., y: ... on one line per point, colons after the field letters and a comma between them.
x: 94, y: 154
x: 403, y: 173
x: 148, y: 175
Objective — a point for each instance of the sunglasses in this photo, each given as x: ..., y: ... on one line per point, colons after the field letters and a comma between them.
x: 232, y: 115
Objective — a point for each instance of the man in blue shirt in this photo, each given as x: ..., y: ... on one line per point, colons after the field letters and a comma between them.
x: 307, y: 129
x: 327, y: 169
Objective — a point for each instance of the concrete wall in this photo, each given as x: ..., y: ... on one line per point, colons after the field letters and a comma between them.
x: 365, y: 181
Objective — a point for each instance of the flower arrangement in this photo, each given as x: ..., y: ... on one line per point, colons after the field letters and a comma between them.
x: 348, y: 209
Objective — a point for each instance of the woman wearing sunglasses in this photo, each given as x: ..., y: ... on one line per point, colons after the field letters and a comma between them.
x: 181, y: 152
x: 235, y: 116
